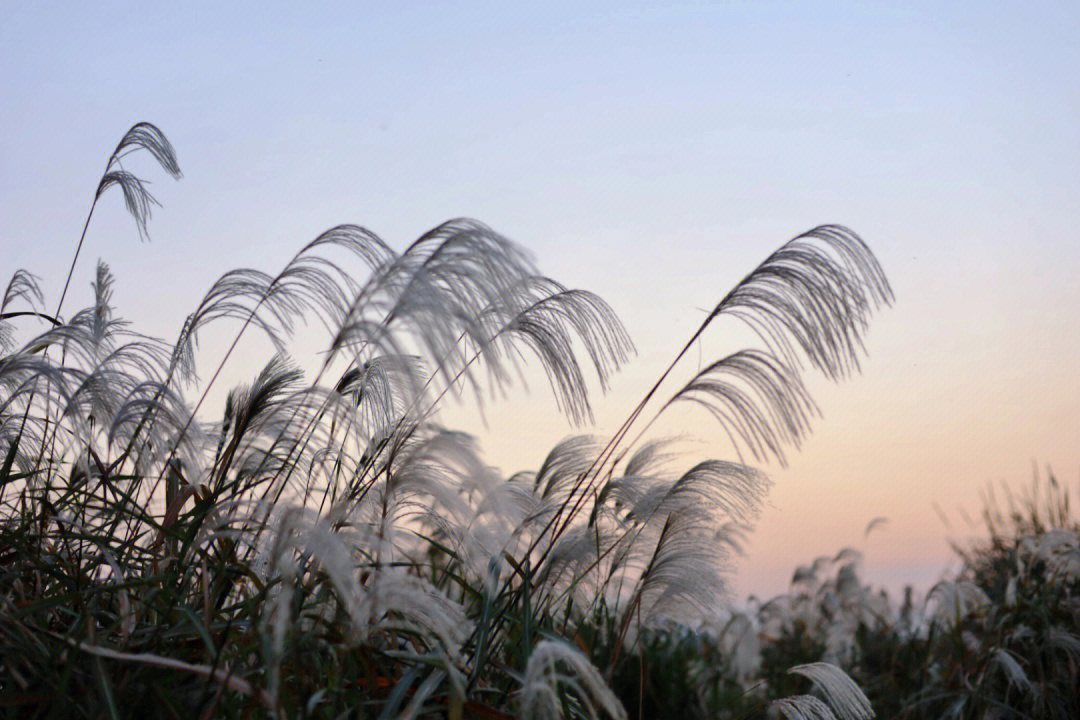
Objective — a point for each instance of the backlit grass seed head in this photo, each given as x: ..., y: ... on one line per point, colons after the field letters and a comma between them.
x: 843, y: 696
x: 557, y: 670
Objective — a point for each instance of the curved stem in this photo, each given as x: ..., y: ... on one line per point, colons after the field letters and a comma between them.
x: 24, y: 313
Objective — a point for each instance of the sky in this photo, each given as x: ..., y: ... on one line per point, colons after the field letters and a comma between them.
x: 651, y: 153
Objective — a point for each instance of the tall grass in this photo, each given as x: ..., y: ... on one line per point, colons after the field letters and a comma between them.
x: 996, y: 640
x: 324, y: 547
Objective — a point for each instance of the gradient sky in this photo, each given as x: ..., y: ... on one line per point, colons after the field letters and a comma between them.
x: 652, y: 154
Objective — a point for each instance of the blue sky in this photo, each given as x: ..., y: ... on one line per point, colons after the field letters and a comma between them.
x: 651, y: 153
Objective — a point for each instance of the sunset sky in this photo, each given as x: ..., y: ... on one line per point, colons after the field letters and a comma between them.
x: 652, y: 154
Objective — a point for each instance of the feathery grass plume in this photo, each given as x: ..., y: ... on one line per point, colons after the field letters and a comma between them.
x: 463, y: 295
x: 740, y: 643
x: 422, y: 479
x: 383, y: 388
x: 310, y: 284
x: 669, y: 542
x: 137, y: 198
x: 800, y: 707
x: 565, y: 463
x: 954, y: 600
x: 715, y: 490
x: 659, y: 544
x: 253, y: 409
x: 848, y: 557
x: 440, y: 292
x: 818, y: 290
x: 22, y: 287
x: 546, y: 690
x: 549, y: 324
x: 653, y: 458
x: 1058, y: 550
x: 811, y: 298
x: 408, y: 605
x: 489, y: 530
x: 145, y: 136
x: 815, y: 294
x: 1068, y: 643
x: 759, y: 402
x: 1010, y: 666
x: 142, y: 136
x: 843, y: 696
x: 777, y: 616
x: 805, y: 580
x: 684, y: 577
x: 388, y: 601
x: 87, y: 395
x: 151, y: 416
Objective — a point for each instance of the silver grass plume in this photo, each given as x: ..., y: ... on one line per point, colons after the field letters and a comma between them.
x: 552, y: 317
x: 844, y: 698
x: 811, y: 299
x: 137, y: 198
x: 142, y: 136
x: 22, y: 287
x: 1066, y: 642
x: 92, y: 390
x: 815, y: 293
x: 678, y: 537
x: 740, y: 642
x: 759, y: 402
x: 386, y: 599
x: 954, y: 600
x: 462, y: 295
x: 1057, y: 548
x: 312, y: 283
x: 800, y: 707
x: 545, y: 686
x: 1011, y: 668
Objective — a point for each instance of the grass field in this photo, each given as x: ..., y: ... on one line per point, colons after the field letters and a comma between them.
x: 322, y: 546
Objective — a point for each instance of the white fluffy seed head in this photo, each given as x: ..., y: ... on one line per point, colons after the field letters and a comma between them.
x: 556, y: 668
x: 843, y: 696
x: 800, y: 707
x: 954, y: 600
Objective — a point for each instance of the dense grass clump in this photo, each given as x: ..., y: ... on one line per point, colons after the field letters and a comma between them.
x: 998, y: 640
x: 322, y: 546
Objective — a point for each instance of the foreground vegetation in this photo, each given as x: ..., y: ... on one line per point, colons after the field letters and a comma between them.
x: 326, y: 548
